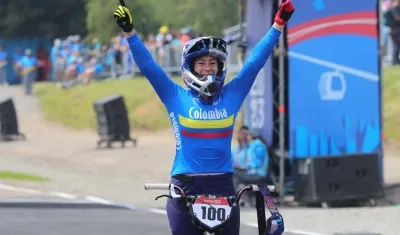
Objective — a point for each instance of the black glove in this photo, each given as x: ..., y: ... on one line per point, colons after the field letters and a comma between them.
x: 123, y: 17
x: 284, y: 13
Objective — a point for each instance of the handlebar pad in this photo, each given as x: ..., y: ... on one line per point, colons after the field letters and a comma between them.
x: 150, y: 186
x: 270, y: 187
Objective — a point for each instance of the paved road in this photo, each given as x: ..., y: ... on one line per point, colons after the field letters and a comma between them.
x: 99, y: 221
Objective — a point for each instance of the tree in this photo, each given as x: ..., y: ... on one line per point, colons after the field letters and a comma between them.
x: 210, y: 16
x: 54, y: 18
x: 46, y: 18
x: 100, y: 22
x: 207, y: 16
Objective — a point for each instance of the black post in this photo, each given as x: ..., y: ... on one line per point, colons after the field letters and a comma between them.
x: 242, y: 42
x: 261, y: 219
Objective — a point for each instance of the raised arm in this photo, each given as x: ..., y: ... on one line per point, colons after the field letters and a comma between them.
x: 256, y: 61
x: 261, y: 52
x: 162, y: 84
x: 157, y: 77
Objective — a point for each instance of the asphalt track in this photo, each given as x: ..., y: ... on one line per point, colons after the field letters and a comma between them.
x: 82, y: 218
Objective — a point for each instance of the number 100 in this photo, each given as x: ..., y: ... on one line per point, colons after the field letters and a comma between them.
x: 212, y: 213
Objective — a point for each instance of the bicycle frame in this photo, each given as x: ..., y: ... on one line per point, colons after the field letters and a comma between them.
x: 263, y: 198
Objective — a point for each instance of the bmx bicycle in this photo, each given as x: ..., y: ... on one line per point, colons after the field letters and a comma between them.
x: 211, y: 213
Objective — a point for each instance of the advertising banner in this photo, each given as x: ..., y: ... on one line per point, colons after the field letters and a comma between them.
x: 334, y: 81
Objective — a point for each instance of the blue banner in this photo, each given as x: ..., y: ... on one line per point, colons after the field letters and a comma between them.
x: 259, y: 102
x: 334, y: 81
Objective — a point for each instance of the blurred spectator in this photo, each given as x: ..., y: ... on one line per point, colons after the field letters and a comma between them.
x: 392, y: 20
x: 57, y: 61
x: 176, y: 39
x: 3, y: 64
x: 28, y: 65
x: 185, y: 37
x: 255, y: 168
x: 163, y: 38
x: 112, y: 59
x: 239, y: 151
x: 94, y: 48
x: 118, y: 54
x: 151, y: 41
x: 17, y: 69
x: 127, y: 59
x: 92, y: 68
x: 43, y: 63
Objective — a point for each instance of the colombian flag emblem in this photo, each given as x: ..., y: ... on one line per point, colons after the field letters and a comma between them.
x: 206, y: 128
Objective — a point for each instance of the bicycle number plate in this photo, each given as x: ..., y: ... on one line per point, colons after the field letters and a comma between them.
x: 211, y: 211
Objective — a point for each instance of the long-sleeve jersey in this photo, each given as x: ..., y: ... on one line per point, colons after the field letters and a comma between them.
x: 203, y: 132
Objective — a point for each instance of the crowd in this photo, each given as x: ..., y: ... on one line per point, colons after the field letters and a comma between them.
x: 70, y: 60
x: 75, y: 63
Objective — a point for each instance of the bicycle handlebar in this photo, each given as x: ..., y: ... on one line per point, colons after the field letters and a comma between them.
x: 158, y: 186
x: 181, y: 194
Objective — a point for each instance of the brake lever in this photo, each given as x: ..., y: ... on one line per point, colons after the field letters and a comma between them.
x: 164, y: 195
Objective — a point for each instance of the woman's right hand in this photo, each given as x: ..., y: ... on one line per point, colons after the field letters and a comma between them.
x: 123, y: 17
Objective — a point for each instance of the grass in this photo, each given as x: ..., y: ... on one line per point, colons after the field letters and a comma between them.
x: 8, y: 175
x: 391, y: 103
x: 74, y: 107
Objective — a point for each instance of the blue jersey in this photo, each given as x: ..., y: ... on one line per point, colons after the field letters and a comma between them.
x: 203, y: 132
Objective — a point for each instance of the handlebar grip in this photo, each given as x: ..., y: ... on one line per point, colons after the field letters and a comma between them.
x: 150, y: 186
x: 270, y: 187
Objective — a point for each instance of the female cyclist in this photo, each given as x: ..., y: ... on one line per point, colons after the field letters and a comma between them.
x: 202, y: 116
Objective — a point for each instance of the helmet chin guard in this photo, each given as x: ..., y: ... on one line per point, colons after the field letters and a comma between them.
x: 209, y: 85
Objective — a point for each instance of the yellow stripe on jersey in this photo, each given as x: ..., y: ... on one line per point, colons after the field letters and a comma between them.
x: 210, y: 124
